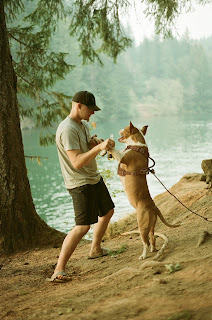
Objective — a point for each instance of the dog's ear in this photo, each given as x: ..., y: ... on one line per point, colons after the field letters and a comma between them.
x: 131, y: 127
x: 144, y: 130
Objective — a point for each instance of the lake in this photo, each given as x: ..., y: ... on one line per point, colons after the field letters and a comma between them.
x: 178, y: 146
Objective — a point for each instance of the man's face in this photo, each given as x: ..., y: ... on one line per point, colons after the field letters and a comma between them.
x: 85, y: 112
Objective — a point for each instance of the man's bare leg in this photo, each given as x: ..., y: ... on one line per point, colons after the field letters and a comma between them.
x: 69, y: 245
x: 98, y: 233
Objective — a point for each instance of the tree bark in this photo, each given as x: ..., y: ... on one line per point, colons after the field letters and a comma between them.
x: 20, y: 225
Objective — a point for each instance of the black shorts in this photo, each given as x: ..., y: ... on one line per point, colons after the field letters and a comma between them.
x: 91, y: 201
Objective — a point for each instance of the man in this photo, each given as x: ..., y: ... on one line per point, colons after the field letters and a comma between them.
x: 91, y: 200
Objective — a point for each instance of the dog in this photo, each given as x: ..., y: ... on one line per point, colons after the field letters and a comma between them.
x: 133, y: 167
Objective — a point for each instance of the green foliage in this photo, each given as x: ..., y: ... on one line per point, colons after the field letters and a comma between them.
x: 164, y: 13
x: 107, y: 174
x: 183, y: 315
x: 12, y: 8
x: 36, y: 66
x: 123, y: 249
x: 46, y: 14
x: 98, y: 20
x: 173, y: 268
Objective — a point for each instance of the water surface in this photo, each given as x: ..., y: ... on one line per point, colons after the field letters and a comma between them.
x: 178, y: 146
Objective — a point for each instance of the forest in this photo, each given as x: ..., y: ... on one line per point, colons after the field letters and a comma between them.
x: 158, y: 77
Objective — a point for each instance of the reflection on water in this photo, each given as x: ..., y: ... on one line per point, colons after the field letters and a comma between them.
x: 177, y: 145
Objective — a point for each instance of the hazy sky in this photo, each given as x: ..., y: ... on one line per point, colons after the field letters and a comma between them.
x: 198, y: 23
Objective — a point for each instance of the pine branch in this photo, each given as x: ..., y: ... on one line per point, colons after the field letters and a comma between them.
x: 19, y: 41
x: 30, y: 83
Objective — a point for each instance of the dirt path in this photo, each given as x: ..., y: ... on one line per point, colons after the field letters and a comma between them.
x: 113, y: 287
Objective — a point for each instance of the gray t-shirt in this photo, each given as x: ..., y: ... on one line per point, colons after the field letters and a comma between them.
x: 72, y: 135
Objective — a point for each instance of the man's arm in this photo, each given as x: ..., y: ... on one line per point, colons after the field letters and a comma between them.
x: 79, y: 159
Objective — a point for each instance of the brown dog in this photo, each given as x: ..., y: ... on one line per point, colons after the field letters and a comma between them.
x: 133, y: 167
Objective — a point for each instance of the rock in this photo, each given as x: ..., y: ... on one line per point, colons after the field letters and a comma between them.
x: 203, y: 177
x: 207, y: 168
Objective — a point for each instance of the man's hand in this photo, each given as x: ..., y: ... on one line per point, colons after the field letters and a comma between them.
x: 94, y: 141
x: 103, y: 144
x: 107, y: 145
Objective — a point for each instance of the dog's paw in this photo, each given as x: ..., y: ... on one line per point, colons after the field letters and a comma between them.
x: 142, y: 257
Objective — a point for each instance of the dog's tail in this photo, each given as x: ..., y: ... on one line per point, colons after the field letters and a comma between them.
x: 164, y: 221
x: 160, y: 252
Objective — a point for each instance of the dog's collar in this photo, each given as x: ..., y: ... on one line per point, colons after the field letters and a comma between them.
x: 136, y: 148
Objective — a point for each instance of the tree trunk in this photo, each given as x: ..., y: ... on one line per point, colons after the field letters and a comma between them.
x: 20, y: 226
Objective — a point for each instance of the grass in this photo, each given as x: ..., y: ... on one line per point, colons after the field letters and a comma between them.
x: 123, y: 248
x: 183, y: 315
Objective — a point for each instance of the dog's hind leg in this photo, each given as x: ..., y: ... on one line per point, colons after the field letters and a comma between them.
x: 144, y: 228
x: 152, y: 236
x: 145, y: 239
x: 152, y: 242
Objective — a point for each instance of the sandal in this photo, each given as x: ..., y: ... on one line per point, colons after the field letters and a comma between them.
x: 63, y: 279
x: 104, y: 252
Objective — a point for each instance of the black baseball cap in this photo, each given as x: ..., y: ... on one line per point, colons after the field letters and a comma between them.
x: 86, y: 98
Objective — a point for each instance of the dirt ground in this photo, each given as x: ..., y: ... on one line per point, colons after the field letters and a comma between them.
x: 119, y: 286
